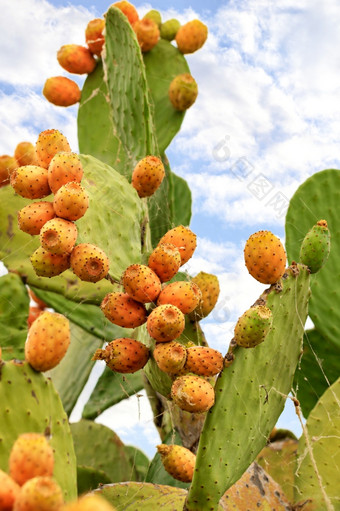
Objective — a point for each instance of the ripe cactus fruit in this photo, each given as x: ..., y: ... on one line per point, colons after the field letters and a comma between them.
x: 191, y: 36
x: 178, y: 461
x: 7, y: 165
x: 124, y: 355
x: 183, y: 92
x: 315, y: 247
x: 141, y: 283
x: 47, y: 341
x: 64, y: 168
x: 24, y: 154
x: 210, y: 290
x: 154, y: 16
x: 148, y: 175
x: 30, y: 182
x: 76, y: 59
x: 183, y: 238
x: 31, y: 456
x: 185, y: 295
x: 203, y: 361
x: 122, y: 310
x: 89, y: 502
x: 169, y: 29
x: 89, y: 262
x: 94, y: 35
x: 61, y: 91
x: 165, y: 261
x: 193, y: 393
x: 58, y: 236
x: 253, y: 326
x: 165, y: 323
x: 9, y: 490
x: 32, y: 217
x: 128, y: 9
x: 170, y: 356
x: 71, y: 201
x: 49, y: 143
x: 39, y: 494
x: 147, y: 33
x: 46, y: 264
x: 265, y: 257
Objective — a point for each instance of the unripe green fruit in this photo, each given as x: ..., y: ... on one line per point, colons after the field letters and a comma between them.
x: 154, y: 16
x: 253, y: 326
x: 169, y: 29
x: 315, y: 247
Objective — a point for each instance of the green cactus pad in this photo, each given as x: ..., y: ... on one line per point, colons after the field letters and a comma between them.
x: 139, y: 461
x: 29, y: 403
x: 323, y: 426
x: 315, y: 247
x: 250, y: 396
x: 89, y: 478
x: 181, y: 201
x: 14, y: 306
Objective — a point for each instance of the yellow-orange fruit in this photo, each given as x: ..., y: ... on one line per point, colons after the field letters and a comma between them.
x: 49, y: 143
x: 64, y: 167
x: 58, y: 236
x: 193, y: 393
x: 122, y: 310
x: 46, y: 264
x: 94, y: 35
x: 34, y: 216
x: 203, y: 361
x: 124, y: 355
x: 31, y: 455
x: 210, y: 290
x: 141, y: 283
x: 165, y: 323
x: 25, y: 154
x: 39, y: 494
x: 148, y: 175
x: 89, y: 502
x: 183, y: 92
x: 61, y: 91
x: 183, y: 238
x: 71, y: 201
x: 170, y: 356
x: 33, y: 314
x: 89, y: 262
x: 128, y: 9
x: 76, y: 59
x: 147, y: 33
x: 178, y: 461
x: 191, y: 36
x: 30, y: 182
x: 9, y: 490
x: 165, y: 261
x: 7, y: 165
x: 185, y: 295
x: 265, y: 257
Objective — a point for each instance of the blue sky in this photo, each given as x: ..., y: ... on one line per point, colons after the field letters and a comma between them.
x: 266, y: 118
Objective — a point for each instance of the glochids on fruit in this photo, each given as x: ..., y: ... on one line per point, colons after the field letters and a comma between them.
x: 203, y: 361
x: 265, y: 257
x: 89, y: 262
x: 165, y: 323
x: 148, y: 175
x: 185, y: 295
x: 49, y: 143
x: 170, y: 356
x: 124, y: 355
x: 58, y: 236
x: 24, y: 154
x: 76, y: 59
x: 178, y: 461
x: 34, y: 216
x: 31, y: 456
x: 46, y: 264
x: 122, y: 310
x: 64, y: 167
x: 165, y: 261
x: 61, y: 91
x: 193, y: 393
x: 191, y: 36
x: 183, y: 238
x: 210, y: 289
x: 71, y: 201
x: 141, y: 283
x: 30, y: 182
x: 253, y: 326
x: 41, y: 493
x: 315, y: 247
x: 183, y: 92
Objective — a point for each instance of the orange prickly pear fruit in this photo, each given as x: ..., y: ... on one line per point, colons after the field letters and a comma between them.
x: 210, y: 290
x: 203, y: 361
x: 89, y: 262
x: 94, y: 36
x: 76, y: 59
x: 71, y: 201
x: 7, y: 165
x: 154, y: 16
x: 178, y: 461
x: 64, y: 168
x: 58, y: 236
x: 41, y: 493
x: 34, y: 216
x: 47, y: 341
x: 25, y: 154
x: 124, y: 355
x: 49, y: 143
x: 148, y: 175
x: 30, y: 182
x: 89, y: 502
x: 193, y: 393
x: 61, y: 91
x: 128, y: 9
x: 165, y: 261
x: 147, y: 33
x: 141, y: 283
x: 122, y: 310
x: 170, y: 356
x: 191, y: 36
x: 31, y: 456
x: 265, y: 257
x: 165, y: 323
x: 33, y: 314
x: 9, y: 491
x: 183, y: 92
x: 253, y: 326
x: 183, y: 238
x: 185, y: 295
x: 46, y: 264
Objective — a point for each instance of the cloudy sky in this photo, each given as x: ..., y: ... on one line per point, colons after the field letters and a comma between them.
x: 266, y: 118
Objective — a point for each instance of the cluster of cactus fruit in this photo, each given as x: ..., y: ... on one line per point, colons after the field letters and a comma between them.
x: 214, y: 411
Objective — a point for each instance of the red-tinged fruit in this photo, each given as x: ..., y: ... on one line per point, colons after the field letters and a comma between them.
x: 184, y: 239
x: 30, y: 182
x: 58, y: 236
x: 147, y: 33
x: 191, y: 36
x: 124, y: 355
x: 141, y: 283
x: 129, y: 10
x: 210, y: 289
x: 165, y: 323
x: 170, y: 356
x: 89, y: 502
x: 122, y: 310
x: 49, y: 143
x: 193, y: 393
x: 265, y: 257
x: 183, y: 92
x: 71, y: 201
x: 76, y: 59
x: 94, y: 35
x: 253, y: 326
x: 178, y: 461
x: 33, y: 314
x: 7, y: 165
x: 39, y: 494
x: 40, y: 303
x: 89, y: 262
x: 9, y: 491
x: 47, y: 341
x: 31, y: 456
x: 185, y: 295
x: 46, y: 264
x: 65, y: 167
x: 203, y: 361
x: 165, y: 261
x: 61, y: 91
x: 34, y: 216
x: 25, y: 154
x: 148, y: 175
